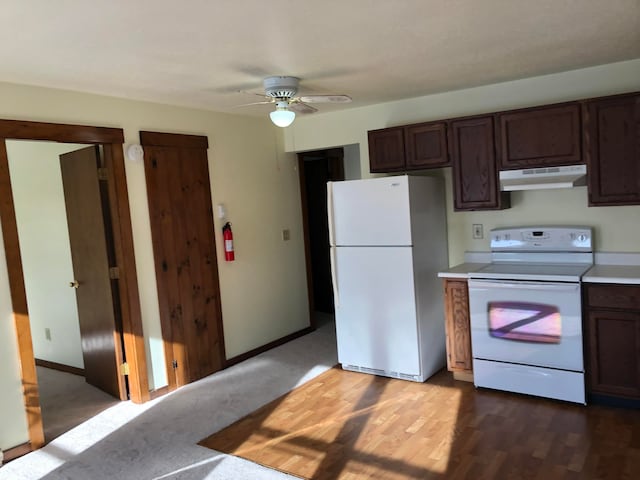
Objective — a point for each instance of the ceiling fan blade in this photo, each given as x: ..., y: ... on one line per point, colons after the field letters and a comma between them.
x: 300, y: 107
x: 325, y: 98
x: 266, y: 102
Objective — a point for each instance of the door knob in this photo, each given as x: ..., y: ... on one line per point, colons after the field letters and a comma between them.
x: 74, y: 284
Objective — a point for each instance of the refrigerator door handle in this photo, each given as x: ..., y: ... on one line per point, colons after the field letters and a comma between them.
x: 334, y: 278
x: 332, y: 240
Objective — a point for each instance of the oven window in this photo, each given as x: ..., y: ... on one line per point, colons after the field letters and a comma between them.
x: 525, y: 322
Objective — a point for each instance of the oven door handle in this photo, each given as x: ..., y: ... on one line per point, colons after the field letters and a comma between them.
x: 524, y: 285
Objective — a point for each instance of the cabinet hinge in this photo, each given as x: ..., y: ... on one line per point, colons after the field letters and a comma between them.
x: 124, y: 368
x: 174, y: 364
x: 114, y: 273
x: 102, y: 173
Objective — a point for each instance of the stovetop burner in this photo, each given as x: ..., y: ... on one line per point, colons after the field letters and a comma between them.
x: 533, y: 271
x: 539, y: 253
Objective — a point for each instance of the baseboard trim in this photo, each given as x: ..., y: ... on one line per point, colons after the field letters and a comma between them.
x: 15, y: 452
x: 60, y: 367
x: 158, y: 392
x: 276, y: 343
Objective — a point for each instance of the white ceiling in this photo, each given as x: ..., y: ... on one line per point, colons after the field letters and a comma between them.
x: 199, y: 53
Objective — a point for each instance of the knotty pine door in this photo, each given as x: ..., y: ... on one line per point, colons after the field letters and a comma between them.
x: 182, y: 228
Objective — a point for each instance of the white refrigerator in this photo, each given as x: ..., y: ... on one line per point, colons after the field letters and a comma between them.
x: 388, y: 239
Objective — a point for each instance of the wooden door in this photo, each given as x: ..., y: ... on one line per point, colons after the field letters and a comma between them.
x: 475, y: 175
x: 184, y: 250
x: 98, y: 311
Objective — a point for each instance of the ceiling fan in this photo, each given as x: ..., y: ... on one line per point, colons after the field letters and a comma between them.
x: 282, y: 90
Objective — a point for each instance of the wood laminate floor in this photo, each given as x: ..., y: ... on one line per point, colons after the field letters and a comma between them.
x: 355, y: 426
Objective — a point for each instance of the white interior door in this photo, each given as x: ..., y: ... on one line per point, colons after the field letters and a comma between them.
x: 371, y: 212
x: 375, y: 308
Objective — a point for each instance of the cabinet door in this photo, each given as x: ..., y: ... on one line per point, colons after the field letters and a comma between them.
x: 612, y: 146
x: 540, y: 137
x: 426, y: 145
x: 614, y: 353
x: 457, y: 325
x: 386, y: 150
x: 475, y: 177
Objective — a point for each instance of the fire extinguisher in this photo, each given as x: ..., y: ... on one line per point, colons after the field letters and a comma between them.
x: 227, y: 236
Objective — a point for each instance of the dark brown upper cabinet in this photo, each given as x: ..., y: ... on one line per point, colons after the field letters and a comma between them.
x: 612, y: 149
x: 539, y: 137
x: 409, y: 147
x: 475, y: 176
x: 426, y: 145
x: 386, y: 150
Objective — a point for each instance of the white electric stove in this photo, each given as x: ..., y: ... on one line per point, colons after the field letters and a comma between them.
x: 526, y: 315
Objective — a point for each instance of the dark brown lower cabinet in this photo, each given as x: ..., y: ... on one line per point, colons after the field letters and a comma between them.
x: 613, y: 340
x: 457, y: 326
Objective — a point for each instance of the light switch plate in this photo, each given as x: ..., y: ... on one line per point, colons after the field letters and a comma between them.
x: 478, y: 233
x: 286, y: 234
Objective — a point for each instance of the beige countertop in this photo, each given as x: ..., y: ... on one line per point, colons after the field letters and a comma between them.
x: 610, y: 267
x: 462, y: 270
x: 629, y: 274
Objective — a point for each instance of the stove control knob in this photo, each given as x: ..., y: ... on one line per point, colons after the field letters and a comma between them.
x: 497, y: 238
x: 507, y: 236
x: 582, y: 237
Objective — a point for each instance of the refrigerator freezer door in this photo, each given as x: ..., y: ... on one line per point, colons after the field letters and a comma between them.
x: 376, y: 316
x: 370, y: 212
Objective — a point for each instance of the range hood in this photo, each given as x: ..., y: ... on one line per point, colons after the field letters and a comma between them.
x: 540, y: 178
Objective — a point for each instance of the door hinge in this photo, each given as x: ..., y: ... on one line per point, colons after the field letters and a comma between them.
x: 102, y: 173
x: 174, y: 364
x: 124, y: 368
x: 114, y: 273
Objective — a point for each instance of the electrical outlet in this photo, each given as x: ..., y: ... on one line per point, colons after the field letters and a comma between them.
x: 47, y: 333
x: 286, y: 234
x: 477, y: 231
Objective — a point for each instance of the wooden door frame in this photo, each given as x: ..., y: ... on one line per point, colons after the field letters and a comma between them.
x: 305, y: 219
x: 112, y: 140
x: 201, y: 142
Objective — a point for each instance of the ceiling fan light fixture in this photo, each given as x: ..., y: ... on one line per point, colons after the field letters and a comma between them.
x: 282, y: 116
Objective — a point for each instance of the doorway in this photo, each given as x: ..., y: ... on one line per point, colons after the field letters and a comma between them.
x: 57, y: 197
x: 316, y: 169
x: 119, y: 219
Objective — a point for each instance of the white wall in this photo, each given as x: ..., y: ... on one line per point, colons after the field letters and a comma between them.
x: 264, y: 292
x: 616, y: 228
x: 38, y: 196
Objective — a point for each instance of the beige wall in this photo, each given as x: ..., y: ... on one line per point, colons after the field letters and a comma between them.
x: 616, y: 228
x: 264, y: 293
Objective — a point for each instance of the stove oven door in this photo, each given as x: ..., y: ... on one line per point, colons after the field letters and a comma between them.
x: 527, y: 322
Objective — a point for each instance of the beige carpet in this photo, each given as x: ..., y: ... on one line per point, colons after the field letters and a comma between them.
x: 158, y: 439
x: 67, y: 400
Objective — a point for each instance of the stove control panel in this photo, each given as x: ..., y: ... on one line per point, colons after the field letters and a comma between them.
x: 542, y: 239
